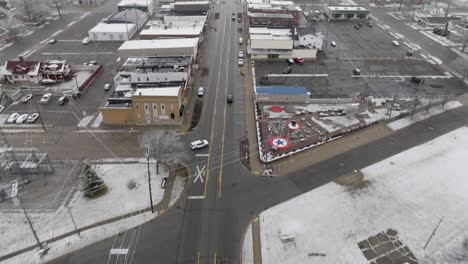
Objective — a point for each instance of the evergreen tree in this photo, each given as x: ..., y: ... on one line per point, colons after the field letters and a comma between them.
x: 3, y: 194
x: 92, y: 184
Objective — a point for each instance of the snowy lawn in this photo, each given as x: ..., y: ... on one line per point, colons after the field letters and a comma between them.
x: 409, y: 193
x: 119, y: 200
x: 404, y: 122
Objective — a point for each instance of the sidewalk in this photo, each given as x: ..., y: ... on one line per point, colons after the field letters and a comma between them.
x: 161, y: 207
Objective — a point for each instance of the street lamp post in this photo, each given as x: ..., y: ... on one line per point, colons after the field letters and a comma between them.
x: 149, y: 178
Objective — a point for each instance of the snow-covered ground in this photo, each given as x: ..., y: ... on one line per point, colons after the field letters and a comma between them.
x: 85, y: 121
x: 409, y: 192
x: 329, y: 127
x: 247, y: 247
x: 404, y: 122
x: 97, y: 122
x: 347, y: 120
x: 118, y: 200
x: 177, y: 190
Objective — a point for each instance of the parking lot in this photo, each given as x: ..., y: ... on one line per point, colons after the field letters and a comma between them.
x: 383, y: 67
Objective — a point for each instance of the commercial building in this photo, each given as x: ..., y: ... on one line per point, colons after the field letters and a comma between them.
x: 87, y: 2
x: 346, y: 12
x: 190, y: 6
x: 144, y: 5
x: 131, y: 15
x: 272, y: 20
x: 112, y: 32
x: 33, y: 72
x: 306, y: 37
x: 145, y: 106
x: 275, y: 7
x: 173, y: 29
x: 281, y: 94
x: 158, y: 47
x: 267, y: 43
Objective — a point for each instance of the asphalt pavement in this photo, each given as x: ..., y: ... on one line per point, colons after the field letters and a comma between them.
x: 208, y: 224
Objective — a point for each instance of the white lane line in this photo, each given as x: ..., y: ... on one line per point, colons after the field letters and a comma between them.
x: 69, y: 40
x: 196, y: 197
x: 77, y: 53
x: 399, y: 35
x: 71, y: 24
x: 447, y: 76
x: 44, y: 41
x: 83, y: 16
x: 387, y: 27
x: 298, y: 75
x: 30, y: 53
x: 6, y: 46
x: 424, y: 56
x: 25, y: 52
x: 202, y: 155
x: 28, y: 33
x: 382, y: 27
x: 56, y: 33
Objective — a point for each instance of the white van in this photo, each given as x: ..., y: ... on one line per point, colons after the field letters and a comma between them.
x: 200, y: 91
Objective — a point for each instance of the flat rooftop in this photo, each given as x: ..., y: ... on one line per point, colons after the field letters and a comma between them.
x: 346, y: 8
x: 113, y: 27
x: 161, y: 61
x: 135, y: 3
x: 159, y: 43
x: 166, y: 91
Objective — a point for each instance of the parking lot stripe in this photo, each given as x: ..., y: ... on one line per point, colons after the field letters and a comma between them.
x: 196, y: 197
x: 71, y: 23
x: 78, y: 53
x: 56, y: 33
x: 202, y: 155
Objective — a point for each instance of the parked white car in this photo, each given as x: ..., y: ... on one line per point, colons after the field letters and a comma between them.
x: 107, y: 87
x: 240, y: 62
x: 12, y: 118
x: 21, y: 118
x: 333, y: 43
x: 198, y: 144
x: 86, y: 41
x: 46, y: 98
x: 395, y: 43
x: 241, y: 54
x: 48, y: 81
x: 241, y: 40
x: 32, y: 118
x: 200, y: 91
x: 26, y: 98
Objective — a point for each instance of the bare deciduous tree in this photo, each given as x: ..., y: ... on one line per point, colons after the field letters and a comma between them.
x: 164, y: 145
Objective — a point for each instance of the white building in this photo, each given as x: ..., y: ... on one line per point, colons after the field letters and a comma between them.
x: 159, y: 47
x: 112, y: 32
x: 172, y: 29
x: 143, y: 5
x: 305, y: 37
x: 267, y: 43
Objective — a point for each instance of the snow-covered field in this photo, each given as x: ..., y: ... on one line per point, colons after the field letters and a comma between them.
x: 409, y: 192
x: 404, y: 122
x: 119, y: 200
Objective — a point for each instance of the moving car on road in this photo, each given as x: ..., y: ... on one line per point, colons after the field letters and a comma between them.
x: 32, y: 118
x: 229, y: 98
x: 201, y: 91
x: 21, y: 118
x: 62, y: 100
x: 395, y: 43
x: 85, y: 41
x: 298, y: 60
x: 26, y: 98
x: 333, y: 44
x: 12, y: 118
x: 46, y: 98
x: 287, y: 70
x: 52, y: 41
x: 198, y: 144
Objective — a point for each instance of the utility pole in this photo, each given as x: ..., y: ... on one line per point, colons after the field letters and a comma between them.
x: 73, y: 221
x: 149, y: 178
x: 30, y: 224
x: 433, y: 233
x: 448, y: 8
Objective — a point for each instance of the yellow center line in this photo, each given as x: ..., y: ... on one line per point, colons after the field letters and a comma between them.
x: 213, y: 119
x: 198, y: 257
x: 220, y: 174
x: 214, y: 259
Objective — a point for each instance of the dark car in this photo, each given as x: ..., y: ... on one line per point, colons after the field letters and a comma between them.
x: 62, y: 100
x: 416, y: 80
x: 229, y: 98
x: 356, y: 72
x: 369, y: 24
x: 357, y: 26
x: 287, y: 70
